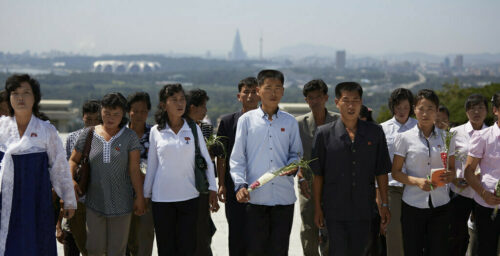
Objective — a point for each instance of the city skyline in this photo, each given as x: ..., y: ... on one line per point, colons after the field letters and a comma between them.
x: 160, y: 27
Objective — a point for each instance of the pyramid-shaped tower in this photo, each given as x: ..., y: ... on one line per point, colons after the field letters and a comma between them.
x: 238, y: 53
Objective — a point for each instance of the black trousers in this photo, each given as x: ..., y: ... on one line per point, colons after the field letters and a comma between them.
x: 236, y: 218
x: 425, y: 230
x: 70, y: 248
x: 205, y: 228
x: 175, y: 227
x: 461, y: 208
x: 269, y: 228
x: 349, y: 238
x: 488, y: 231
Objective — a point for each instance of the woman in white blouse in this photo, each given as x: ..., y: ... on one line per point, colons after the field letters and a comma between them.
x: 170, y: 178
x: 33, y: 161
x: 425, y: 207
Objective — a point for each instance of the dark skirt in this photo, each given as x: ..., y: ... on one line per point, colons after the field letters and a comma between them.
x: 31, y: 227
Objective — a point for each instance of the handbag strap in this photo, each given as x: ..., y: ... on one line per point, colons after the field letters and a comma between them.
x: 194, y: 130
x: 88, y: 143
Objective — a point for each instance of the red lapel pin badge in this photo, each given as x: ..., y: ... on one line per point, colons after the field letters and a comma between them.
x: 283, y: 129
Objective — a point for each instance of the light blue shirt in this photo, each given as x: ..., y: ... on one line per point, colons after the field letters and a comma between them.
x: 265, y: 146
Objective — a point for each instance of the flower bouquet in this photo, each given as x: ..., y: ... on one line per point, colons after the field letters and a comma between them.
x: 445, y: 151
x: 268, y: 176
x: 497, y: 194
x: 215, y: 145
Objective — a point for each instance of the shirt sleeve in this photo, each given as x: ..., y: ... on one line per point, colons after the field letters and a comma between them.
x: 400, y: 145
x: 295, y: 152
x: 238, y: 160
x: 383, y: 160
x: 134, y: 143
x: 60, y: 175
x: 476, y: 145
x: 210, y: 166
x: 318, y: 151
x: 152, y: 165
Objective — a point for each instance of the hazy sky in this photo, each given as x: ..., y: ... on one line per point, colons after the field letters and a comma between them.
x: 161, y: 26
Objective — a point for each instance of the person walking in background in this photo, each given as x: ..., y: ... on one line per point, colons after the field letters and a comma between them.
x: 401, y: 107
x: 442, y: 118
x: 114, y: 175
x: 73, y: 231
x: 141, y: 236
x: 425, y: 210
x: 33, y: 162
x: 235, y: 211
x: 4, y: 105
x: 196, y: 110
x: 484, y: 150
x: 462, y: 202
x: 351, y: 154
x: 266, y: 140
x: 170, y: 178
x: 316, y: 96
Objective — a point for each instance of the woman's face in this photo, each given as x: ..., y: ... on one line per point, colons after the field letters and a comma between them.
x: 111, y: 117
x: 138, y: 112
x: 476, y: 114
x: 426, y: 112
x: 22, y: 99
x: 175, y: 105
x: 197, y: 113
x: 402, y: 111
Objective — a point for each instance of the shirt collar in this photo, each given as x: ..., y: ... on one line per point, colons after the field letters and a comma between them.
x: 408, y: 123
x: 185, y: 127
x: 496, y: 129
x: 434, y: 133
x: 469, y: 129
x: 264, y: 114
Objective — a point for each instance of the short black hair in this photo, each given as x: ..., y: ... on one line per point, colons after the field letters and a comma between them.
x: 14, y: 82
x: 136, y: 97
x: 495, y: 100
x: 348, y: 86
x: 314, y: 85
x: 195, y: 97
x: 116, y: 100
x: 270, y: 74
x: 161, y: 115
x: 91, y: 107
x: 367, y: 113
x: 399, y: 95
x: 3, y: 96
x: 474, y: 100
x: 427, y: 94
x: 444, y: 109
x: 248, y: 82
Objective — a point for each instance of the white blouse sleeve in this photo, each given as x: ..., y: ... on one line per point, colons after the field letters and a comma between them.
x: 60, y: 174
x: 152, y: 164
x: 210, y: 166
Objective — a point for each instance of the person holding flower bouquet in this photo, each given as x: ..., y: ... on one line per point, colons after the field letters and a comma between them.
x: 484, y: 150
x: 267, y: 139
x: 425, y: 209
x: 462, y: 202
x: 351, y: 154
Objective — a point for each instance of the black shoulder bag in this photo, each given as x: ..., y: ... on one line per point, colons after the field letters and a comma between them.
x: 200, y: 165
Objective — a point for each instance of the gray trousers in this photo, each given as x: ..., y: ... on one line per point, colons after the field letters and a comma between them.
x: 107, y: 235
x: 394, y: 235
x: 142, y: 234
x: 309, y: 232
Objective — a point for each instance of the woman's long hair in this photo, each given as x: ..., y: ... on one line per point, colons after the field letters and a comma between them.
x: 161, y: 115
x: 14, y: 82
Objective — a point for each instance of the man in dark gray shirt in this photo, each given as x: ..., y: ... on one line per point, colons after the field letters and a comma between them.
x: 351, y: 154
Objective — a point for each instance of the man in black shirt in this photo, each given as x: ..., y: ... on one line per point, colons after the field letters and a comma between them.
x: 351, y: 154
x: 235, y: 212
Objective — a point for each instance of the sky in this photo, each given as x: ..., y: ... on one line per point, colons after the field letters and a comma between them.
x: 97, y: 27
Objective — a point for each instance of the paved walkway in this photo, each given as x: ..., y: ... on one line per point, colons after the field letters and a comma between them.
x: 219, y: 243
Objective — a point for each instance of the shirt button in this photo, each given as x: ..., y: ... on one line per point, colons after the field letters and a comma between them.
x: 428, y: 163
x: 271, y: 160
x: 353, y: 162
x: 354, y: 184
x: 353, y: 174
x: 354, y: 151
x: 270, y: 148
x: 270, y: 136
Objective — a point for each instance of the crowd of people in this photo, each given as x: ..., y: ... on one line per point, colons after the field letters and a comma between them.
x: 409, y: 186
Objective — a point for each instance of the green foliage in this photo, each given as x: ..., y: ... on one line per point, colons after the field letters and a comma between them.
x: 384, y: 114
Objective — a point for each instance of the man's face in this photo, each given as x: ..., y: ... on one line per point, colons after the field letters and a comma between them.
x: 442, y: 121
x: 349, y: 105
x: 91, y: 119
x: 248, y: 97
x: 197, y: 113
x: 270, y: 92
x: 4, y: 108
x: 316, y: 100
